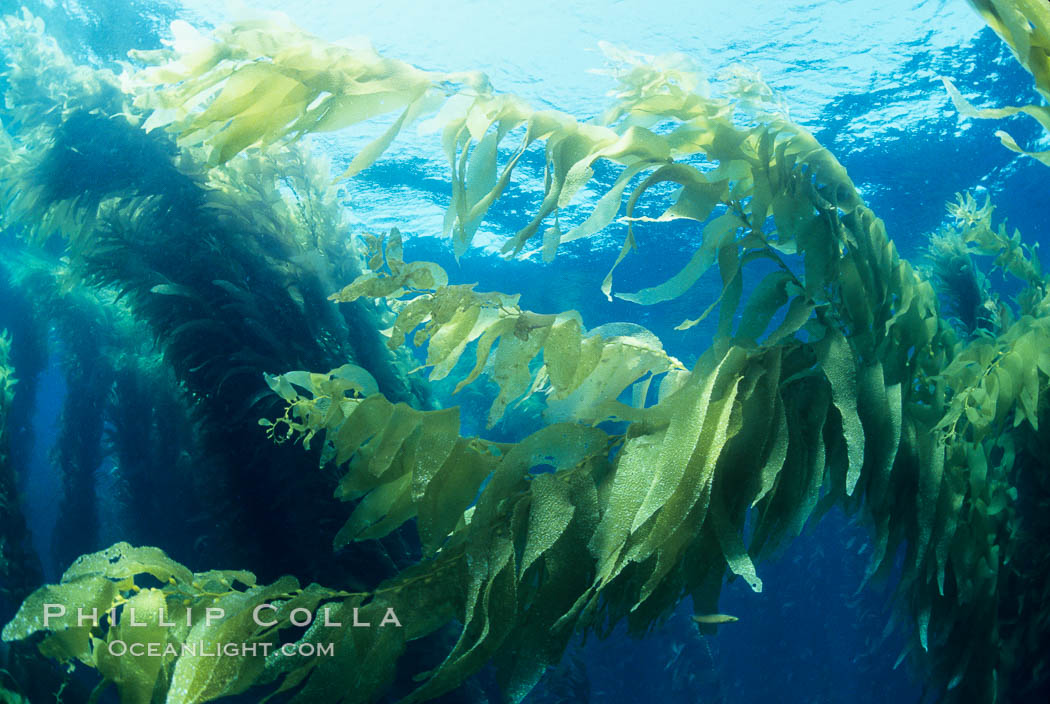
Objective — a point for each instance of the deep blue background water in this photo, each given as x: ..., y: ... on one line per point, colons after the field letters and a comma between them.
x: 862, y: 76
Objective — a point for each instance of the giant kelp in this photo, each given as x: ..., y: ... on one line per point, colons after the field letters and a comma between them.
x: 104, y: 433
x: 955, y: 252
x: 18, y: 566
x: 124, y: 407
x: 20, y: 569
x: 230, y: 268
x: 582, y: 370
x: 859, y: 395
x: 1025, y: 26
x: 169, y: 622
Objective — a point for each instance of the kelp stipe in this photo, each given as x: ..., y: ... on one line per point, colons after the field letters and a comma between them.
x: 18, y: 566
x: 22, y: 673
x: 103, y: 425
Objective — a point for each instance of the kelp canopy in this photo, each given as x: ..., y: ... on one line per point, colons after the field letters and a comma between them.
x: 834, y: 380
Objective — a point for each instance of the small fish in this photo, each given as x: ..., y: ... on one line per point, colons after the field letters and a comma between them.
x: 714, y: 618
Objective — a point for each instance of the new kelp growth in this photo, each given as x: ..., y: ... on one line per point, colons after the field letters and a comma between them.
x: 833, y: 380
x: 955, y: 254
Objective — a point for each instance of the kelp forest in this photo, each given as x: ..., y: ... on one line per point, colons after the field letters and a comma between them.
x: 277, y: 394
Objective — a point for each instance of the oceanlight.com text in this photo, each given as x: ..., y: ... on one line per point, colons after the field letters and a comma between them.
x: 119, y: 648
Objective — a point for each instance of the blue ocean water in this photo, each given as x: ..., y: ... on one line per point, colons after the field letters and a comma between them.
x: 863, y: 77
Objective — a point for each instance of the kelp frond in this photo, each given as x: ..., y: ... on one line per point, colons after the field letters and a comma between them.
x: 1025, y: 26
x: 583, y: 373
x: 259, y: 81
x: 7, y: 375
x: 962, y: 285
x: 42, y: 84
x: 167, y: 625
x: 954, y: 252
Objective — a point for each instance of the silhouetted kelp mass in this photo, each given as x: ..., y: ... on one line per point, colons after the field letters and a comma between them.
x: 189, y: 208
x: 18, y: 568
x: 94, y: 156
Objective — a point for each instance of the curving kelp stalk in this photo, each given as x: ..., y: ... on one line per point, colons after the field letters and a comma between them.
x: 873, y: 358
x: 834, y: 380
